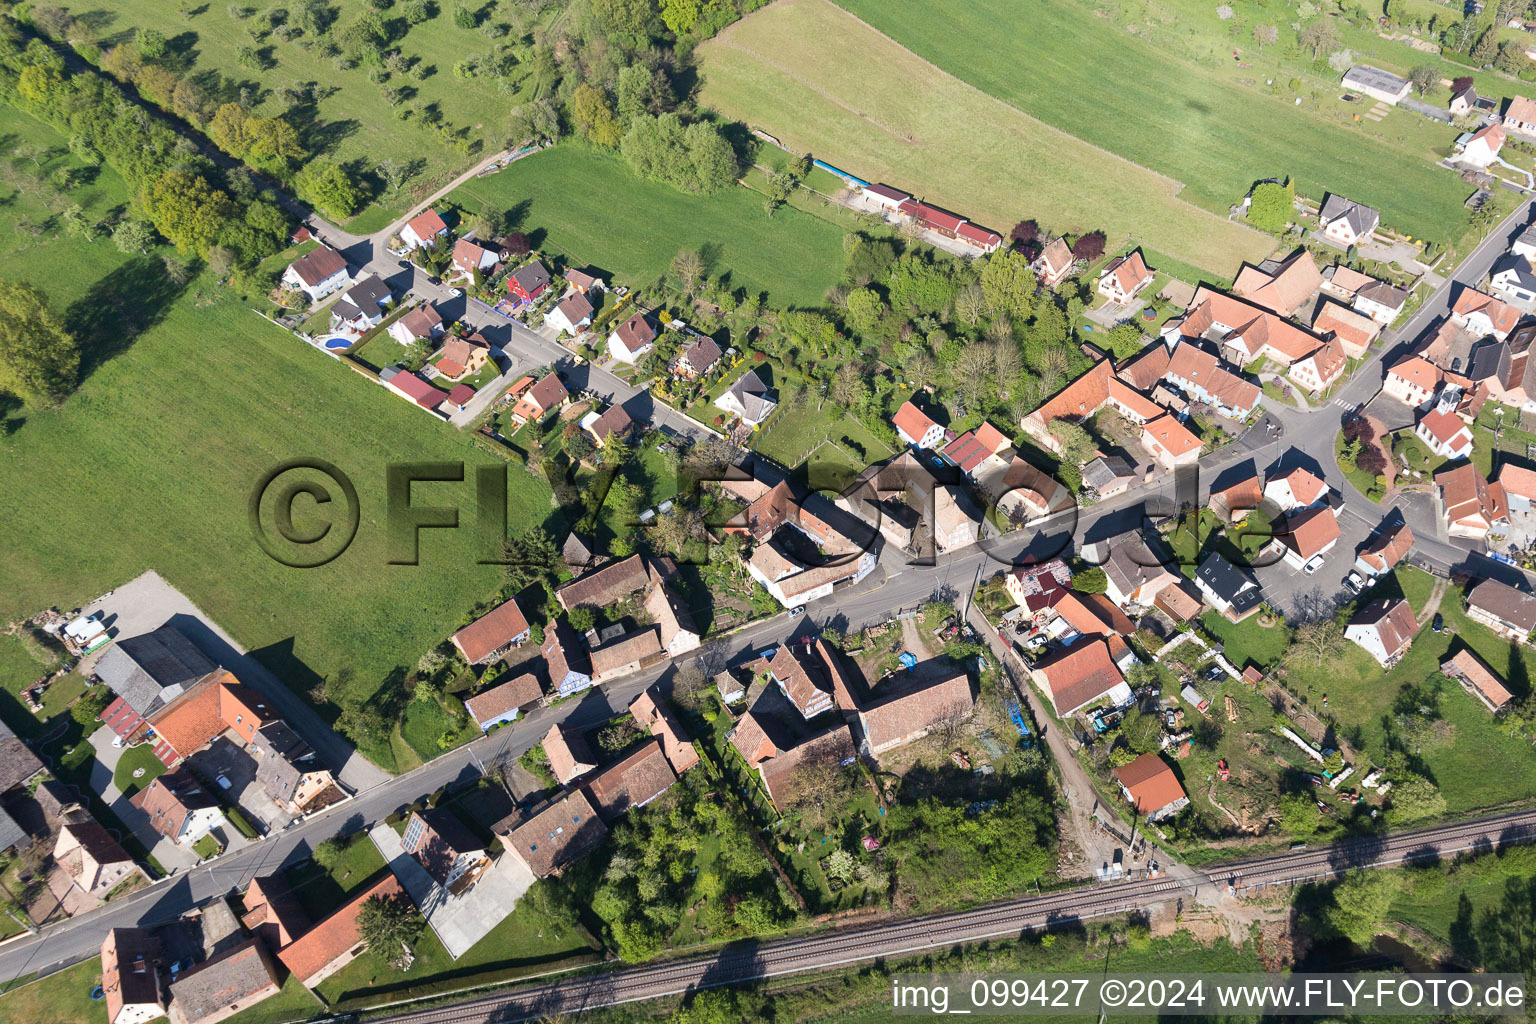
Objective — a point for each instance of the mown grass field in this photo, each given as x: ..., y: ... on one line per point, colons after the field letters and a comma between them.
x: 823, y: 82
x: 586, y: 203
x: 1160, y: 87
x: 188, y: 399
x: 352, y: 121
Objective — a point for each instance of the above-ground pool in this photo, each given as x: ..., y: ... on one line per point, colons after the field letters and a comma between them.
x: 338, y: 343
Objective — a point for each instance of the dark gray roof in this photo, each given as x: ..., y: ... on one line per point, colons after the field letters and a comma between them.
x: 1365, y: 76
x: 1490, y: 360
x: 1385, y: 294
x: 753, y: 395
x: 1229, y: 583
x: 1515, y: 607
x: 367, y: 294
x: 532, y: 276
x: 213, y: 985
x: 1105, y: 470
x: 284, y: 760
x: 1362, y: 219
x: 151, y: 669
x: 17, y: 762
x: 10, y: 832
x: 1520, y: 266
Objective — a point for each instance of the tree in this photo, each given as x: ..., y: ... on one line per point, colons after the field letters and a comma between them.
x: 1024, y: 232
x: 463, y: 17
x: 1089, y: 247
x: 39, y: 359
x: 1317, y: 642
x: 1143, y: 731
x: 1090, y: 581
x: 1486, y: 48
x: 151, y: 43
x: 1461, y: 82
x: 1074, y: 444
x: 1265, y: 35
x: 328, y: 853
x: 323, y: 184
x: 187, y: 210
x: 593, y: 115
x: 531, y: 557
x: 819, y: 786
x: 1361, y: 902
x: 1318, y: 36
x: 1424, y: 77
x: 1271, y: 205
x: 688, y: 271
x: 90, y: 704
x: 389, y: 924
x: 1413, y: 798
x: 839, y: 865
x: 1299, y: 816
x: 1124, y: 340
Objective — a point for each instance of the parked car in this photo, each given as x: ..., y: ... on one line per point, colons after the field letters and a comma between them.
x: 1439, y: 623
x: 223, y: 781
x: 796, y: 612
x: 457, y: 293
x: 1355, y: 582
x: 1313, y: 564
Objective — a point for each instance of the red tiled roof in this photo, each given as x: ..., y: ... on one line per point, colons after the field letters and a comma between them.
x: 638, y: 779
x: 1172, y: 435
x: 1470, y: 668
x: 931, y: 215
x: 1151, y: 782
x: 498, y: 700
x: 979, y: 235
x: 426, y: 224
x: 414, y: 387
x: 1501, y: 314
x: 1305, y: 487
x: 460, y: 394
x: 1080, y: 674
x: 1389, y: 547
x: 912, y: 421
x: 335, y: 936
x: 1310, y: 532
x: 491, y: 631
x: 1518, y: 480
x: 1443, y: 425
x: 1129, y: 272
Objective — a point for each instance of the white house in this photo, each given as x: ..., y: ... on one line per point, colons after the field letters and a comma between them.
x: 317, y: 273
x: 1480, y: 148
x: 470, y: 259
x: 361, y: 306
x: 1444, y: 433
x: 1124, y: 278
x: 1294, y: 489
x: 571, y: 315
x: 1525, y: 243
x: 423, y: 322
x: 885, y: 198
x: 749, y: 399
x: 916, y: 428
x: 632, y: 339
x: 1347, y: 222
x: 1514, y: 279
x: 1306, y: 534
x: 423, y: 229
x: 1385, y: 628
x: 1380, y: 301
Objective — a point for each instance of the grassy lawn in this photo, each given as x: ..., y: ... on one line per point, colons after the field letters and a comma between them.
x: 1358, y: 478
x: 62, y: 998
x: 821, y: 82
x: 1361, y: 698
x: 797, y: 429
x: 353, y: 121
x: 141, y: 757
x: 1200, y: 117
x: 172, y: 428
x: 430, y: 730
x: 206, y: 847
x: 322, y: 890
x: 585, y: 203
x: 525, y: 942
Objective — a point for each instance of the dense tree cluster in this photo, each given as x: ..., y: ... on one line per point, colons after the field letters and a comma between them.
x: 688, y: 850
x: 183, y: 195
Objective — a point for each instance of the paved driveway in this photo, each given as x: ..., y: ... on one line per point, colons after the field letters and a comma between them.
x: 463, y: 920
x: 149, y: 602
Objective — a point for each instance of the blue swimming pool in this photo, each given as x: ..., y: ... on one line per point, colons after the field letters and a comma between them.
x: 338, y: 343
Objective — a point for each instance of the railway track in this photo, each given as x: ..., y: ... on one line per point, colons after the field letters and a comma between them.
x: 753, y: 961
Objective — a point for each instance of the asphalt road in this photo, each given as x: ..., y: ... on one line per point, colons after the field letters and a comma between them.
x: 747, y: 961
